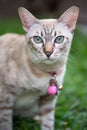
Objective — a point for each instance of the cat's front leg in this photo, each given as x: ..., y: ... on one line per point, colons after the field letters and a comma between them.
x: 6, y: 106
x: 47, y: 109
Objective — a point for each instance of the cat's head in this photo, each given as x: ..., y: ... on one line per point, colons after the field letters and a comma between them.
x: 49, y: 39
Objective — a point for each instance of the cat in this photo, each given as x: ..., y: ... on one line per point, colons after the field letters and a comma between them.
x: 29, y: 63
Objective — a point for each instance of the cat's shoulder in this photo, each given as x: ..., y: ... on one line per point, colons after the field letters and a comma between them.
x: 9, y: 36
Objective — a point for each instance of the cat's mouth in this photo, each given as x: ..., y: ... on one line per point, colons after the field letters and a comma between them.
x: 49, y: 60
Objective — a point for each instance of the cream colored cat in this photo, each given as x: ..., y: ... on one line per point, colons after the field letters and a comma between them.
x: 27, y: 66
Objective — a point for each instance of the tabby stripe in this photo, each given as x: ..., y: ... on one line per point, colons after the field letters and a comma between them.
x: 13, y: 93
x: 45, y: 99
x: 1, y: 101
x: 6, y: 108
x: 45, y: 125
x: 5, y: 101
x: 46, y: 111
x: 41, y: 33
x: 3, y: 120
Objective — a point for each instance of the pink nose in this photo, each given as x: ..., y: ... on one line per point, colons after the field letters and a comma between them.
x: 48, y: 49
x: 48, y: 53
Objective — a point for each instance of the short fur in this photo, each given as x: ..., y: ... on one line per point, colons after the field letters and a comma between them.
x: 26, y: 67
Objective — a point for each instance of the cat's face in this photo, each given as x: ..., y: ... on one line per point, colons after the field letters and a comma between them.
x: 49, y: 42
x: 49, y: 39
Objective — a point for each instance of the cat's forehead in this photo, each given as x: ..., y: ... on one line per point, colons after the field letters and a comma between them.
x: 48, y: 24
x: 48, y: 28
x: 44, y: 27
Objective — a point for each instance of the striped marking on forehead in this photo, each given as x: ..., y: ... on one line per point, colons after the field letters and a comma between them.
x: 48, y: 29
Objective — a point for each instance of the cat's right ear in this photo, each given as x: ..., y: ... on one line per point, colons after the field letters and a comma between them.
x: 27, y: 18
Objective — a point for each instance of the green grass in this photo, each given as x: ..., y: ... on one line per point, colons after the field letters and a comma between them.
x: 71, y: 109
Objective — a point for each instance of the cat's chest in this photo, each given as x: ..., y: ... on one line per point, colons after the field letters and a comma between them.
x: 41, y: 84
x: 30, y: 95
x: 31, y: 82
x: 38, y: 84
x: 33, y: 87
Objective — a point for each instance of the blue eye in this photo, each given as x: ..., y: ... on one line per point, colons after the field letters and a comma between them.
x: 37, y: 39
x: 59, y: 39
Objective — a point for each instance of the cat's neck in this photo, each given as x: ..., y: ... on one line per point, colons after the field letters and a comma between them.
x: 40, y: 71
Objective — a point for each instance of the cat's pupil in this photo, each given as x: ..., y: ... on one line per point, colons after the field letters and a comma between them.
x: 37, y: 39
x: 59, y: 39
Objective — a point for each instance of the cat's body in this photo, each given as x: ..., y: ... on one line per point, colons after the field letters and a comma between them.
x: 27, y: 67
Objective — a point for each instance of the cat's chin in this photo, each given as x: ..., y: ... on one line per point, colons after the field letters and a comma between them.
x: 49, y: 64
x: 49, y: 61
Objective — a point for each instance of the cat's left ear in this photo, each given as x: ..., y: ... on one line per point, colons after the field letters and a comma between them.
x: 27, y: 18
x: 69, y: 18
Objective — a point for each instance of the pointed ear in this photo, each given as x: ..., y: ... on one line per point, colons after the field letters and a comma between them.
x: 70, y: 16
x: 27, y: 18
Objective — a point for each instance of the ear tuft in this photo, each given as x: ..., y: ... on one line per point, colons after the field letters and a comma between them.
x: 70, y: 16
x: 27, y: 18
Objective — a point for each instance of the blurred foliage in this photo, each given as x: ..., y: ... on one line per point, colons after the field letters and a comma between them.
x: 71, y: 109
